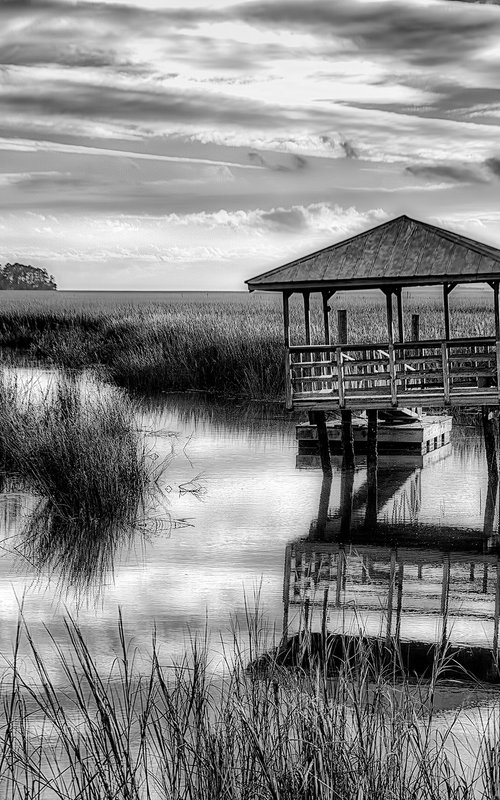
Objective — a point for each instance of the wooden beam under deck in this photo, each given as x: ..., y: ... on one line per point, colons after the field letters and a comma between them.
x: 423, y: 399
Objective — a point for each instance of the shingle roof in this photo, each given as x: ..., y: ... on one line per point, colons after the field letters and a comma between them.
x: 401, y: 252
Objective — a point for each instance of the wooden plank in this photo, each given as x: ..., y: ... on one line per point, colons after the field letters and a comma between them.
x: 399, y: 298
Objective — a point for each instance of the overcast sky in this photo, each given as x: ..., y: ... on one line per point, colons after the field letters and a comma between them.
x: 190, y: 145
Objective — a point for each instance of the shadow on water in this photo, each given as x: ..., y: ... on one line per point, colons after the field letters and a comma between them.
x: 414, y: 594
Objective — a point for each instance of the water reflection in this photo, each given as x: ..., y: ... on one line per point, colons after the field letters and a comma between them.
x: 370, y: 565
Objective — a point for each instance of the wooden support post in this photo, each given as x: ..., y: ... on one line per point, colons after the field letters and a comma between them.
x: 415, y: 327
x: 318, y: 418
x: 446, y: 372
x: 348, y: 461
x: 288, y: 365
x: 342, y: 326
x: 446, y: 308
x: 390, y: 321
x: 324, y: 616
x: 340, y: 574
x: 371, y: 465
x: 286, y: 317
x: 484, y: 587
x: 401, y: 327
x: 307, y: 316
x: 326, y: 295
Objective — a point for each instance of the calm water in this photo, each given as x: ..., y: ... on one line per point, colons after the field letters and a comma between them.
x: 238, y: 516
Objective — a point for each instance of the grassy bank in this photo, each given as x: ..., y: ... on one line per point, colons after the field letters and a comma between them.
x: 144, y: 730
x: 232, y: 346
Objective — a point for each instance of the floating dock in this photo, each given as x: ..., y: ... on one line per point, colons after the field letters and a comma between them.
x: 422, y: 436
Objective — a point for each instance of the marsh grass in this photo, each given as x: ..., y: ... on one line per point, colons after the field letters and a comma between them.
x: 79, y: 450
x: 146, y: 730
x: 230, y: 345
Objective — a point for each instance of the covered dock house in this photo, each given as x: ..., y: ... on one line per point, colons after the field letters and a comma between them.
x: 392, y: 372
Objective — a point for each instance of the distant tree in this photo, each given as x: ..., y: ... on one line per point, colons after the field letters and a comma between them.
x: 22, y: 276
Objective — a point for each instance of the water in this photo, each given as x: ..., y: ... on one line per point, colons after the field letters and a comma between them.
x: 238, y: 518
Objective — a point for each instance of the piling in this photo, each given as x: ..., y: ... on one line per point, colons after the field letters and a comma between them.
x: 346, y: 416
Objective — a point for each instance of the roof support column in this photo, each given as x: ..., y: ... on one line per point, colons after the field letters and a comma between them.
x: 447, y: 289
x: 326, y: 295
x: 286, y: 317
x: 390, y: 320
x: 307, y: 316
x: 399, y: 298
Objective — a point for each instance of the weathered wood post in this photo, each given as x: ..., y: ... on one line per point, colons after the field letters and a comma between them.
x: 346, y: 414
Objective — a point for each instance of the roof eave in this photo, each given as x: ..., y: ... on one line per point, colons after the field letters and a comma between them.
x: 370, y: 283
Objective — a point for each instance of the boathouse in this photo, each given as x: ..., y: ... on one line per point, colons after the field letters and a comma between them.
x: 391, y: 372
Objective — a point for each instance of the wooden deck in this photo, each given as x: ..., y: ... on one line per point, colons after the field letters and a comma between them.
x: 430, y: 373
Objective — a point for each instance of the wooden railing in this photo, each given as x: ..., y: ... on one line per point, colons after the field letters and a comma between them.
x: 431, y: 372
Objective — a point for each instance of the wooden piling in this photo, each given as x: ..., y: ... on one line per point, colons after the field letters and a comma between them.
x: 324, y: 501
x: 346, y: 416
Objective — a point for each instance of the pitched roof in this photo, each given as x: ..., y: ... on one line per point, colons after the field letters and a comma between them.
x: 401, y: 252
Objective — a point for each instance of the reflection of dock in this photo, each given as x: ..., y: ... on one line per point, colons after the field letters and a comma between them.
x: 370, y: 566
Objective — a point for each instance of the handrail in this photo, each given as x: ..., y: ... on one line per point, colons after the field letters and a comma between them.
x: 313, y: 348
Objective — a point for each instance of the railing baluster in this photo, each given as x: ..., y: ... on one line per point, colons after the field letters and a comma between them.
x: 446, y: 372
x: 340, y: 373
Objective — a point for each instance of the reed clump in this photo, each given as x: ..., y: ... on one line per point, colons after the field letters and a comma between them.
x: 77, y: 447
x: 142, y: 730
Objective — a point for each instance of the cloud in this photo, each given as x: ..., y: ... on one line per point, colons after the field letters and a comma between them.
x: 449, y: 172
x: 319, y: 218
x: 422, y: 33
x: 493, y: 164
x: 296, y: 162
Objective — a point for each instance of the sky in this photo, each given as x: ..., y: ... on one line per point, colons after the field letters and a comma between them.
x: 168, y: 145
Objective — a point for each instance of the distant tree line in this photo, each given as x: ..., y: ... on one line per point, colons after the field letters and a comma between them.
x: 22, y: 276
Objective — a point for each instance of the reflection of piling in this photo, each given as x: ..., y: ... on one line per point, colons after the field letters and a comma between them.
x: 318, y: 418
x: 324, y: 501
x: 346, y: 492
x: 371, y: 468
x: 390, y: 596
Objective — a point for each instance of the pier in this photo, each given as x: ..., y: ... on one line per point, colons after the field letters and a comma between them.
x: 388, y: 374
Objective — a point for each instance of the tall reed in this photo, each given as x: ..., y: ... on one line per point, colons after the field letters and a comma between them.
x: 144, y: 731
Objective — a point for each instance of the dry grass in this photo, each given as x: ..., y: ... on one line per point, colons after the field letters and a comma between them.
x: 232, y: 345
